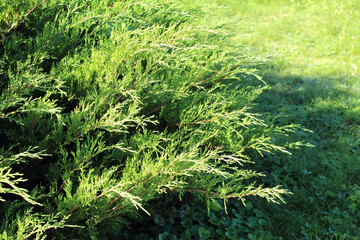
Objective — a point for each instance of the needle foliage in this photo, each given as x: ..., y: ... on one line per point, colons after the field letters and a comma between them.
x: 107, y: 105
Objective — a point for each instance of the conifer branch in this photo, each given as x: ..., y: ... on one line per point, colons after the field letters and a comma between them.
x: 87, y: 200
x: 16, y: 23
x: 142, y: 182
x: 159, y: 107
x: 218, y: 73
x: 35, y: 7
x: 195, y: 123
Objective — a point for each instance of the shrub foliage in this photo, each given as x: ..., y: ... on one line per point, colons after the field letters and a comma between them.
x: 106, y: 105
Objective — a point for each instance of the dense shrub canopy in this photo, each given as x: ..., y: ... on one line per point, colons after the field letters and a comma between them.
x: 106, y: 105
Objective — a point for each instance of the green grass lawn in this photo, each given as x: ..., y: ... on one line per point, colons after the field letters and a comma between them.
x: 312, y: 52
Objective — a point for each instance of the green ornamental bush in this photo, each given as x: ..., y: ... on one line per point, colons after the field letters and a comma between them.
x: 106, y: 105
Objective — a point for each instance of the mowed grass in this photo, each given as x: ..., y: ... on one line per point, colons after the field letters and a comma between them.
x: 312, y: 52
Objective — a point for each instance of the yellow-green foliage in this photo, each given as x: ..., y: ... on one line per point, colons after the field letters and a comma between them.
x: 106, y: 105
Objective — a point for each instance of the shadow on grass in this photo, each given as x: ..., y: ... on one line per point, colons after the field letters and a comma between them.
x: 322, y: 178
